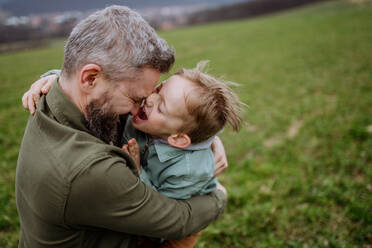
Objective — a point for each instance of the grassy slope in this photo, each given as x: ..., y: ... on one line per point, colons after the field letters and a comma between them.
x: 300, y: 169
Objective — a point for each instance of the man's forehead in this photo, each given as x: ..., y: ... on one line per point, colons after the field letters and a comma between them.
x: 138, y: 93
x: 147, y: 80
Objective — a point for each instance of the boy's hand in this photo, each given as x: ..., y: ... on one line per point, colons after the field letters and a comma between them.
x: 132, y: 148
x: 32, y: 96
x: 219, y: 157
x: 222, y: 188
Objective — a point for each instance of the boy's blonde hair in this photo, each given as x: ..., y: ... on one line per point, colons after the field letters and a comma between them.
x: 212, y: 104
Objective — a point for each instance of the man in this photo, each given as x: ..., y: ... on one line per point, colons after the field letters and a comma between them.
x: 74, y: 187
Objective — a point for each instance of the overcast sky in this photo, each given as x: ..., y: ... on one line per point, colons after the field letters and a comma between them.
x: 26, y: 7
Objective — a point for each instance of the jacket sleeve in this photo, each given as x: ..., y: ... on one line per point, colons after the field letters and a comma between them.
x: 108, y: 195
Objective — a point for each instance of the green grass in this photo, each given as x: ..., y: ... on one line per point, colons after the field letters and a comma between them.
x: 300, y: 170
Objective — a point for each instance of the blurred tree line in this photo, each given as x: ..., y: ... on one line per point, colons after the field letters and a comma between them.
x: 248, y: 9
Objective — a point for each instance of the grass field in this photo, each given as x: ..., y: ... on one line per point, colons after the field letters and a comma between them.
x: 300, y: 170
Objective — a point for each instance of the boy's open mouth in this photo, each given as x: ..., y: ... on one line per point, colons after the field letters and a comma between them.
x: 141, y: 115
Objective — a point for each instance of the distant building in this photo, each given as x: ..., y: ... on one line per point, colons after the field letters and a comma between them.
x: 16, y: 21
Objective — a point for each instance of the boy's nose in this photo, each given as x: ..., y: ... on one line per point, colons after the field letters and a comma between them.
x: 152, y: 99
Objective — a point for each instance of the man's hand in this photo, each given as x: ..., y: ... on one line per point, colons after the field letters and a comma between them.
x: 219, y: 157
x: 32, y: 96
x: 133, y: 150
x: 222, y: 188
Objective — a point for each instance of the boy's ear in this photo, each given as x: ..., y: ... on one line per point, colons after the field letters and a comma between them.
x: 180, y: 140
x: 88, y: 75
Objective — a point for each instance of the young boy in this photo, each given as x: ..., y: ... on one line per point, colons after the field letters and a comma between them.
x: 170, y: 137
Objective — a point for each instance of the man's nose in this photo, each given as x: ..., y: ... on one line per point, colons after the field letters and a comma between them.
x: 134, y: 109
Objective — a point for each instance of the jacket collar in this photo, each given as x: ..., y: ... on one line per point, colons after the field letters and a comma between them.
x: 64, y: 110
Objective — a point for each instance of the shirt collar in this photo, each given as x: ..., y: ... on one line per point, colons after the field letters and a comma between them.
x: 166, y: 152
x: 64, y: 110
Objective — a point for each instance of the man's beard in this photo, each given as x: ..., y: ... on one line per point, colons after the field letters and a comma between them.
x: 102, y: 123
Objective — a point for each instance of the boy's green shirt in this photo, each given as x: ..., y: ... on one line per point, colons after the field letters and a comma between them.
x: 73, y: 190
x: 174, y: 172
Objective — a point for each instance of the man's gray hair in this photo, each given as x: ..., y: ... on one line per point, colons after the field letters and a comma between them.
x: 120, y: 41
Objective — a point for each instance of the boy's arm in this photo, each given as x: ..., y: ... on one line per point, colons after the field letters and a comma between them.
x: 41, y: 86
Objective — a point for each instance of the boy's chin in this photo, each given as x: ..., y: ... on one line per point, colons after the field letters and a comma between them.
x: 139, y: 125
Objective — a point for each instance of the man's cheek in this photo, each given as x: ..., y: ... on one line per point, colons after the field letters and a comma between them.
x: 119, y: 106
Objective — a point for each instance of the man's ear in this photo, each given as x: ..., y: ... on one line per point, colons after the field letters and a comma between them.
x: 88, y: 75
x: 180, y: 140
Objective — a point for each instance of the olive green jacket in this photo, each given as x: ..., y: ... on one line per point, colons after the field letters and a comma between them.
x: 73, y: 190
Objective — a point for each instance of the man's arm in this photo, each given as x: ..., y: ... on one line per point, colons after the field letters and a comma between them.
x: 108, y: 195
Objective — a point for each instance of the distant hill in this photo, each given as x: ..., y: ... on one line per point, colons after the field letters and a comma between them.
x: 26, y: 7
x: 246, y: 10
